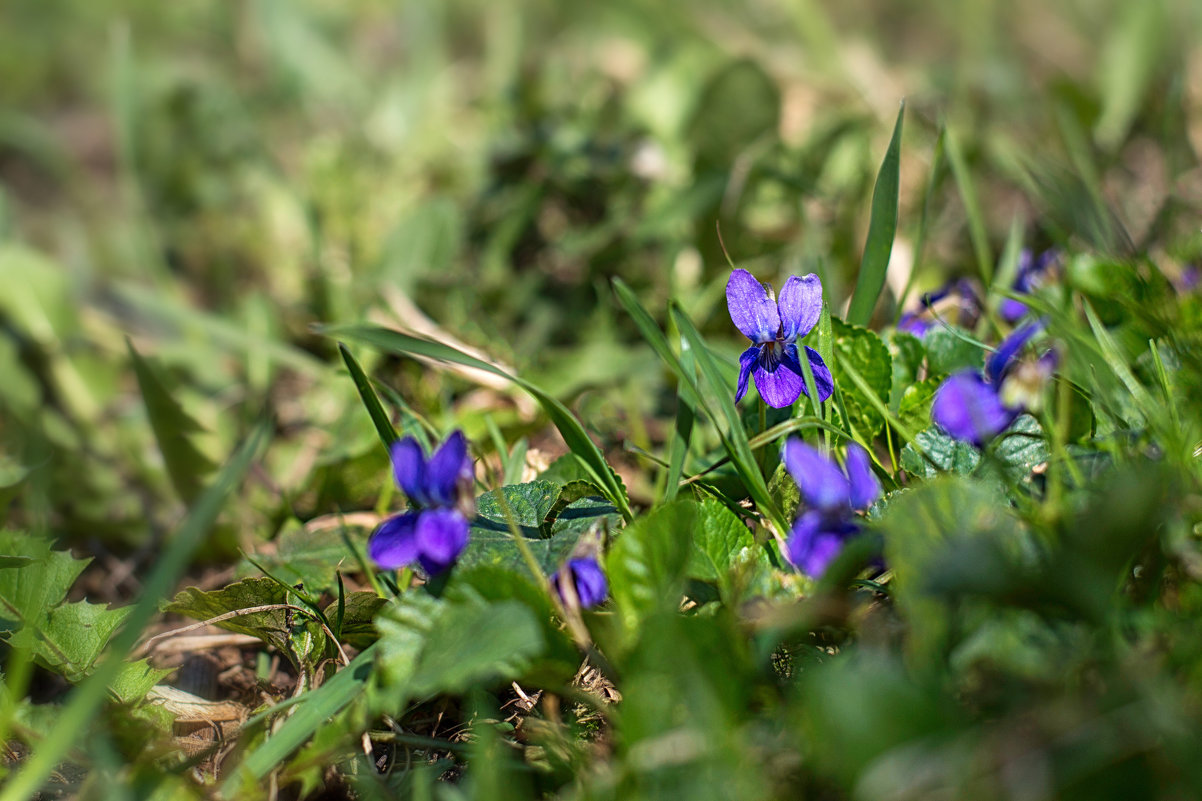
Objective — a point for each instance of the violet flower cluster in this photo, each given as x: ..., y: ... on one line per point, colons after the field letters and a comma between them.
x: 975, y: 407
x: 832, y: 497
x: 774, y: 325
x: 434, y: 533
x: 587, y: 580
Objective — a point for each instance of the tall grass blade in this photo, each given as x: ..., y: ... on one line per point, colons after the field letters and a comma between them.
x: 371, y: 402
x: 83, y: 704
x: 573, y: 433
x: 881, y: 229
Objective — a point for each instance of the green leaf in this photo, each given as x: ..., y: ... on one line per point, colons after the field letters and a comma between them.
x: 358, y: 614
x: 91, y: 693
x: 135, y: 680
x: 881, y: 229
x: 573, y: 433
x: 914, y: 410
x: 908, y: 354
x: 947, y: 537
x: 371, y: 402
x: 735, y: 439
x: 950, y: 348
x: 294, y: 633
x: 551, y: 532
x: 948, y: 455
x: 722, y: 545
x: 73, y: 636
x: 311, y: 556
x: 646, y: 565
x: 867, y: 354
x: 186, y: 466
x: 1020, y: 448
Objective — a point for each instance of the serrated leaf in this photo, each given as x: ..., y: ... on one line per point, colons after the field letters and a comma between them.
x: 292, y: 632
x: 868, y: 355
x: 531, y: 506
x: 28, y: 590
x: 429, y: 646
x: 948, y: 536
x: 186, y: 466
x: 73, y: 636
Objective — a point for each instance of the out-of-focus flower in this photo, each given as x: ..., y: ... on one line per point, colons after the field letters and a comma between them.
x: 434, y: 533
x: 975, y: 408
x: 773, y: 326
x: 1032, y: 272
x: 832, y: 496
x: 954, y: 302
x: 587, y: 578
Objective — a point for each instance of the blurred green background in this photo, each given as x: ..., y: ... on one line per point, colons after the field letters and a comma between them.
x: 213, y: 180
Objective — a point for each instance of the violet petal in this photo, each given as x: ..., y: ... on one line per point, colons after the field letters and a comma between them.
x: 820, y: 480
x: 751, y: 310
x: 800, y: 304
x: 394, y: 544
x: 968, y: 408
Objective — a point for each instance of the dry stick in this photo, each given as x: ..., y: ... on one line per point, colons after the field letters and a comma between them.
x: 250, y: 610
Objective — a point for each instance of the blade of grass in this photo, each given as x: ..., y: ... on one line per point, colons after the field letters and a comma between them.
x: 314, y: 710
x: 972, y: 206
x: 686, y: 414
x: 882, y: 227
x: 371, y: 401
x: 736, y: 438
x: 83, y: 704
x: 570, y: 429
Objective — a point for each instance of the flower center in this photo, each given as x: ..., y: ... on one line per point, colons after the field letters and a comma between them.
x: 771, y: 354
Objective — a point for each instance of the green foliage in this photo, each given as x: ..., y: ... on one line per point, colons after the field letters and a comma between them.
x: 867, y: 354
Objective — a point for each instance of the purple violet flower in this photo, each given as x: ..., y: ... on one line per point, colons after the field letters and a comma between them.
x: 1031, y: 274
x: 832, y: 496
x: 972, y: 407
x: 955, y: 302
x: 773, y: 326
x: 588, y: 581
x: 435, y: 532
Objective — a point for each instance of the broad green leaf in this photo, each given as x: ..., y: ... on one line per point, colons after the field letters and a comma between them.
x: 186, y: 465
x: 551, y: 532
x: 29, y: 588
x: 722, y: 545
x: 1020, y: 448
x: 950, y: 349
x: 647, y: 563
x: 881, y: 228
x: 908, y: 354
x: 292, y: 631
x: 73, y: 636
x: 359, y: 612
x: 135, y: 680
x: 312, y: 556
x: 477, y: 643
x: 914, y: 410
x: 947, y: 537
x: 867, y: 354
x: 573, y: 433
x: 949, y: 455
